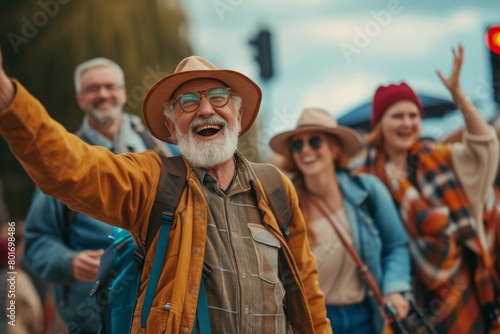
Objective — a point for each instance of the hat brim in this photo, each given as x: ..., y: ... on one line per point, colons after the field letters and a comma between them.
x: 350, y: 139
x: 161, y: 93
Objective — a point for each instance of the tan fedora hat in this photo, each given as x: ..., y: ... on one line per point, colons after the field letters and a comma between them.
x: 191, y: 68
x: 317, y: 120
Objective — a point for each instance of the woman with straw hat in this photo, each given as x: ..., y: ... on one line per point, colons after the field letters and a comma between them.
x: 444, y: 195
x: 317, y: 153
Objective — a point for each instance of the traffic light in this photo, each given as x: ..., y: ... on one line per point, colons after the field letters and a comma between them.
x: 493, y: 43
x: 262, y: 42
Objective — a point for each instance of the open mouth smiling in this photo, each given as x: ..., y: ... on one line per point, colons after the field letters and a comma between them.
x: 102, y: 103
x: 208, y: 130
x: 404, y: 134
x: 309, y: 159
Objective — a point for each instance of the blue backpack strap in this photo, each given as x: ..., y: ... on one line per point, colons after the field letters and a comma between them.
x: 201, y: 320
x: 161, y: 251
x: 170, y: 188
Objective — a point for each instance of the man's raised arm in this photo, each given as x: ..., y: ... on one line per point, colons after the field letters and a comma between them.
x: 7, y: 88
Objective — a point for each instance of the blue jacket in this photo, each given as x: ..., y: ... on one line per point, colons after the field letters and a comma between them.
x: 51, y: 258
x: 380, y: 240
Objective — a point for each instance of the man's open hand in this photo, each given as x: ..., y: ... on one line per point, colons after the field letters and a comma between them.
x: 7, y: 89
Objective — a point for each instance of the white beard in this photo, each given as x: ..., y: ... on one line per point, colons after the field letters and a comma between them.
x: 98, y: 116
x: 212, y: 153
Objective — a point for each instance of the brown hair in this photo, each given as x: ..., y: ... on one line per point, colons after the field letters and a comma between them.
x: 343, y: 160
x: 341, y: 163
x: 305, y: 208
x: 375, y: 137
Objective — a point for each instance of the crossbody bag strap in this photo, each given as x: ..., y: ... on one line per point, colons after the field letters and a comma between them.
x: 386, y: 309
x: 365, y: 273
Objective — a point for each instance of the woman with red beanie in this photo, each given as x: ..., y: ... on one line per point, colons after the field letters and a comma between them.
x: 445, y: 199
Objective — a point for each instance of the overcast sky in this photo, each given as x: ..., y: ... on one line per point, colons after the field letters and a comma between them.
x: 334, y: 54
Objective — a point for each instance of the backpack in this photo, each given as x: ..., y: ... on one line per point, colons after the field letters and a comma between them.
x: 119, y: 273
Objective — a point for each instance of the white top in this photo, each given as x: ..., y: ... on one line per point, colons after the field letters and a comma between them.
x: 339, y: 277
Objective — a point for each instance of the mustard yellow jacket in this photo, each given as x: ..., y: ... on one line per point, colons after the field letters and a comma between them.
x: 120, y: 190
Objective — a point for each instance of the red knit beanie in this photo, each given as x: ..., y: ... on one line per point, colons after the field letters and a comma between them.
x: 385, y: 96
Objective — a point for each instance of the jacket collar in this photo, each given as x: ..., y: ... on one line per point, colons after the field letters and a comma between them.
x: 351, y: 187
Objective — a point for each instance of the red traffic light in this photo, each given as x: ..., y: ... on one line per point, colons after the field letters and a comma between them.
x: 493, y: 39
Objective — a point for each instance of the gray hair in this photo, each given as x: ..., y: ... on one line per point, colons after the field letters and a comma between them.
x: 96, y: 62
x: 168, y: 109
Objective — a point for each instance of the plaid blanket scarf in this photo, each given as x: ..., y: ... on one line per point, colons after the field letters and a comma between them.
x: 452, y: 268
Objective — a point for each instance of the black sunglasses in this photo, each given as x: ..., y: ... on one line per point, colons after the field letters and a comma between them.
x: 314, y: 143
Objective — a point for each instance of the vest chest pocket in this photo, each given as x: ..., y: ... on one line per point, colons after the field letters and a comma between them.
x: 266, y: 249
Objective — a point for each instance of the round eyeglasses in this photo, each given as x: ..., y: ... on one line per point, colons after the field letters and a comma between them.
x: 314, y: 143
x: 92, y: 89
x: 189, y: 102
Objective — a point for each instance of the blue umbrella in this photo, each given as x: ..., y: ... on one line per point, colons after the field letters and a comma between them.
x: 359, y: 118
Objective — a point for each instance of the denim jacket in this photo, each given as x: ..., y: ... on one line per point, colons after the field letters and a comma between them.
x: 51, y: 256
x: 380, y: 240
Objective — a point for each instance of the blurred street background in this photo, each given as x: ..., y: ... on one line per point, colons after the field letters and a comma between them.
x: 303, y: 53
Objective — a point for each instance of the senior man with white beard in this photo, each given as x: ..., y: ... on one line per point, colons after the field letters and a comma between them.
x: 253, y: 287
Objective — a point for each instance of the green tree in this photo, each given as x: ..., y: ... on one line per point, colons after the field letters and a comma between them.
x: 44, y: 40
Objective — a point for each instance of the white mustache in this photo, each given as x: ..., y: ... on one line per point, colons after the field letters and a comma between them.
x: 100, y: 101
x: 214, y: 119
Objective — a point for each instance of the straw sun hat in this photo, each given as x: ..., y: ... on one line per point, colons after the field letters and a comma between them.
x: 317, y: 120
x: 191, y: 68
